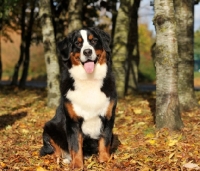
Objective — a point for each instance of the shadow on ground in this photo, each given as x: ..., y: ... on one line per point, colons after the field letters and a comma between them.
x: 9, y: 119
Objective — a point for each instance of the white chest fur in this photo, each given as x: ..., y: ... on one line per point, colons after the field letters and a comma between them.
x: 88, y: 100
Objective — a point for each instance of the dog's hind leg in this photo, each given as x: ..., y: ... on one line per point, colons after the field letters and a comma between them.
x: 47, y: 147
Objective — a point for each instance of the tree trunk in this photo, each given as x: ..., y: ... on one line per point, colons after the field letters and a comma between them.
x: 131, y: 80
x: 22, y: 46
x: 114, y: 19
x: 1, y: 34
x: 166, y: 51
x: 0, y: 54
x: 75, y: 15
x: 27, y: 48
x: 185, y: 32
x: 124, y: 65
x: 53, y: 72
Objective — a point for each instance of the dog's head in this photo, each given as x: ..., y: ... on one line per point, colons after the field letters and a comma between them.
x: 85, y: 48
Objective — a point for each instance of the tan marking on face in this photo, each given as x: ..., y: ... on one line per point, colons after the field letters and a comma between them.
x: 80, y: 39
x: 104, y: 151
x: 90, y: 37
x: 77, y: 156
x: 109, y: 110
x: 75, y: 58
x: 102, y: 56
x: 71, y: 111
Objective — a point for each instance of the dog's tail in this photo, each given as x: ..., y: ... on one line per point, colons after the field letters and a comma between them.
x: 47, y: 148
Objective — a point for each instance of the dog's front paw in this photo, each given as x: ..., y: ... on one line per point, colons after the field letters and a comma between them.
x: 104, y: 157
x: 76, y: 164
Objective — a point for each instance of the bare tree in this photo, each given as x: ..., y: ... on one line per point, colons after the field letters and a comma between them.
x: 22, y: 45
x: 27, y: 47
x: 53, y: 72
x: 166, y: 51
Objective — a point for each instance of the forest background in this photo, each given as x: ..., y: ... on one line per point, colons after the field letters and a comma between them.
x: 37, y: 70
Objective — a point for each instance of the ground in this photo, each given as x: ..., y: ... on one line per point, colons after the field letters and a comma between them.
x: 137, y: 144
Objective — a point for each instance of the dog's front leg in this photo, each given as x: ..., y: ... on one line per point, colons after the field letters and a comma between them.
x: 104, y: 150
x: 76, y: 151
x: 106, y: 136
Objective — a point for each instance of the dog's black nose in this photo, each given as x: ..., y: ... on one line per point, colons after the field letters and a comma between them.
x: 87, y: 52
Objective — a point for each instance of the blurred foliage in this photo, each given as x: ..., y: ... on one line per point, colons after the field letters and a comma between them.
x: 6, y: 6
x: 146, y: 39
x: 146, y: 67
x: 197, y: 42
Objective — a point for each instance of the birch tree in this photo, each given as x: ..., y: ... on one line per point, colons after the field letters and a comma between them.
x: 75, y: 15
x: 166, y: 51
x: 185, y: 34
x: 53, y: 72
x: 125, y: 44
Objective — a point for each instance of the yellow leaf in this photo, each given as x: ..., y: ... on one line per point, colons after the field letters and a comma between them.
x: 152, y: 141
x: 3, y: 165
x: 137, y: 111
x: 141, y: 123
x: 25, y: 131
x: 172, y: 142
x: 90, y: 165
x: 149, y: 135
x: 41, y: 169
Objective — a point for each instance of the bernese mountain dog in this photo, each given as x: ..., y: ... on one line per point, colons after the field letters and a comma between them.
x: 84, y: 119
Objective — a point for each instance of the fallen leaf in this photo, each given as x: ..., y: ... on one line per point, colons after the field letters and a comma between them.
x: 41, y: 169
x: 172, y: 142
x: 191, y: 165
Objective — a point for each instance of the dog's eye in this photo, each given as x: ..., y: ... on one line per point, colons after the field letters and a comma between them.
x: 94, y: 41
x: 79, y: 44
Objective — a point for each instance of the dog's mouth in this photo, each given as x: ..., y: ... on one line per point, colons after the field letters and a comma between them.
x: 89, y: 66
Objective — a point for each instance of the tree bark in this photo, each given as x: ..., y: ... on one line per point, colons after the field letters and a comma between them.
x: 22, y: 46
x: 53, y: 72
x: 124, y: 65
x: 1, y: 27
x: 0, y: 54
x: 166, y: 51
x: 27, y: 47
x: 185, y: 32
x: 75, y: 15
x: 131, y: 80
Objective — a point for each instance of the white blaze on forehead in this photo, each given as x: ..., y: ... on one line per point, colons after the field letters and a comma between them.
x: 84, y: 36
x: 86, y: 45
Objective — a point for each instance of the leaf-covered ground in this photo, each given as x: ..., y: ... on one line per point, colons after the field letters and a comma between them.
x: 137, y: 144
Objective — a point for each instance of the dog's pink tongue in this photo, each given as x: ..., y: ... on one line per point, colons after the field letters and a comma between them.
x: 89, y: 67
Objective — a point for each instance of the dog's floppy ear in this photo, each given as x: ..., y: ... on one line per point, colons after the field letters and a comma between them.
x: 105, y: 38
x: 64, y: 48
